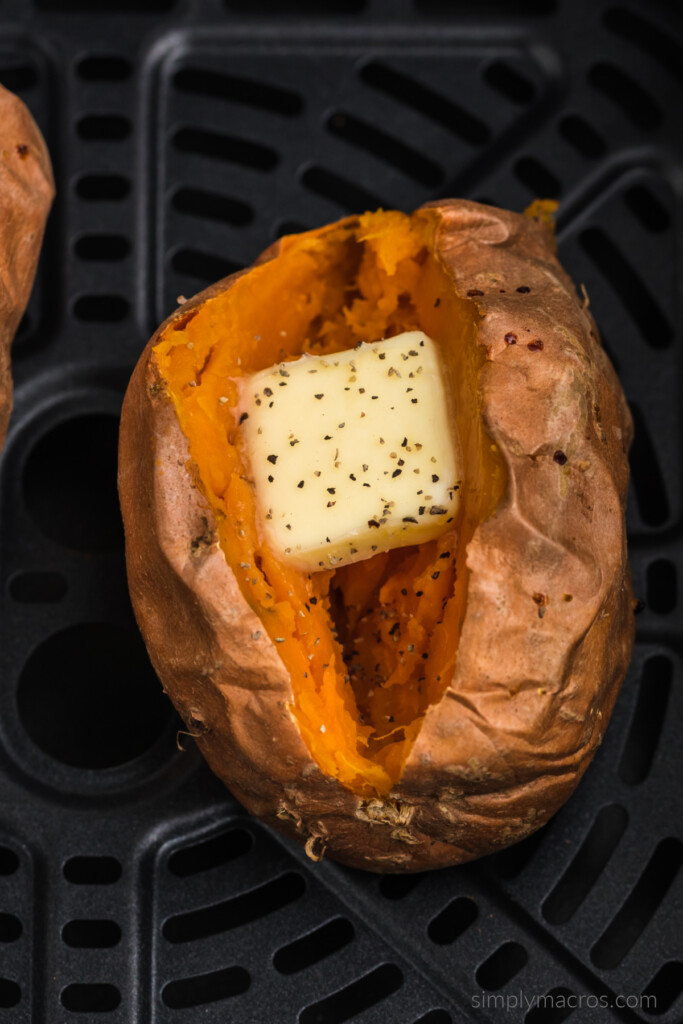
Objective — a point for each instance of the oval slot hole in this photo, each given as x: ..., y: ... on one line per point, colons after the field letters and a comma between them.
x: 247, y: 91
x: 582, y: 136
x: 92, y: 870
x: 590, y: 861
x: 640, y: 906
x: 356, y: 998
x: 103, y: 128
x: 385, y: 147
x: 338, y: 190
x: 627, y: 285
x: 665, y: 988
x: 502, y: 966
x: 104, y: 68
x: 205, y: 988
x: 10, y: 928
x: 10, y: 993
x: 102, y: 247
x: 453, y: 921
x: 554, y: 1010
x: 237, y: 911
x: 91, y: 934
x: 9, y: 862
x: 661, y: 586
x: 426, y: 101
x: 93, y: 998
x: 211, y: 853
x: 648, y: 719
x: 316, y: 946
x: 99, y: 187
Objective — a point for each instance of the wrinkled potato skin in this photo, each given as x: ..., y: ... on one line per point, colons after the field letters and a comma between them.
x: 26, y: 193
x: 534, y: 684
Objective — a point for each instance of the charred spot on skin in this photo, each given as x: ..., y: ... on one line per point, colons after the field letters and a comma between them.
x: 473, y: 293
x: 535, y: 346
x: 204, y: 539
x: 541, y: 600
x: 22, y: 150
x: 524, y: 289
x: 510, y: 338
x: 559, y: 457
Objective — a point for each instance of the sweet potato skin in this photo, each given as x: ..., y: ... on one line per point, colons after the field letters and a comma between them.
x: 549, y: 586
x: 26, y: 193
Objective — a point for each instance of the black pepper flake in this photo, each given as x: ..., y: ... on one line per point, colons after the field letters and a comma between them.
x: 397, y: 472
x: 523, y: 289
x: 366, y: 485
x: 437, y: 510
x: 419, y: 593
x: 408, y: 519
x: 535, y: 346
x: 319, y: 396
x: 331, y: 504
x: 434, y: 478
x: 425, y: 656
x: 374, y: 397
x: 382, y: 355
x: 559, y: 457
x: 474, y: 291
x: 412, y: 352
x: 437, y: 303
x: 288, y: 526
x: 421, y: 510
x: 445, y: 554
x: 272, y: 458
x: 300, y: 484
x: 435, y: 575
x: 327, y: 437
x: 413, y: 401
x: 404, y: 442
x: 283, y: 373
x: 270, y: 479
x: 283, y: 384
x: 396, y: 625
x: 342, y: 425
x: 331, y: 490
x: 401, y: 462
x: 373, y: 523
x: 243, y: 417
x: 510, y: 338
x: 361, y: 391
x: 267, y: 391
x: 292, y: 443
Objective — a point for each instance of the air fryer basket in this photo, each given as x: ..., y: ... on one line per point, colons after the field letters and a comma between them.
x: 186, y: 136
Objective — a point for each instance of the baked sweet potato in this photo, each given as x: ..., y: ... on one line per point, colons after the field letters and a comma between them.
x: 496, y: 651
x: 26, y: 193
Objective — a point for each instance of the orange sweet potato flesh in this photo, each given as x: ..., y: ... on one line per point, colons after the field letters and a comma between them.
x: 399, y: 613
x: 26, y: 192
x: 523, y: 609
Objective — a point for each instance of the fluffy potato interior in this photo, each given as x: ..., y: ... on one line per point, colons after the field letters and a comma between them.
x: 370, y: 646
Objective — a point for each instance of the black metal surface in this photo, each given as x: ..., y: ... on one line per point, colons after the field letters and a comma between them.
x: 186, y: 136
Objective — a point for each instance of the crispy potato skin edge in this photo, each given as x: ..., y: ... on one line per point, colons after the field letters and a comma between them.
x: 511, y: 737
x: 26, y: 193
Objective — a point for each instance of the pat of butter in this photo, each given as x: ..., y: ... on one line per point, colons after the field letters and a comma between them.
x: 352, y: 453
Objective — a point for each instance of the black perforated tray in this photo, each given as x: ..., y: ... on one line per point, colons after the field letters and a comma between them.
x: 186, y: 136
